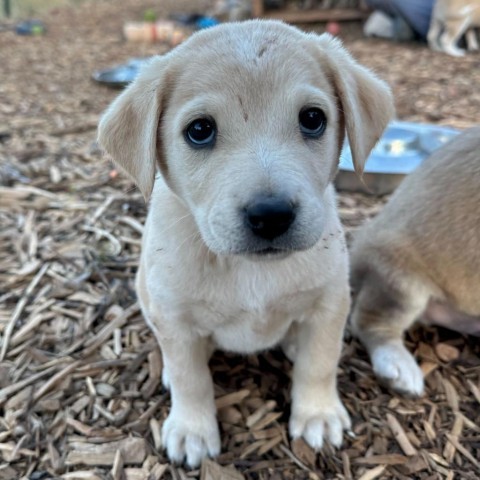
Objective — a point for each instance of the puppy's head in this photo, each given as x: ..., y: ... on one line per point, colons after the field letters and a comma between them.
x: 246, y: 122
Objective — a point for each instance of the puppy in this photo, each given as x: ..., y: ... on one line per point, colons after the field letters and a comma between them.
x: 451, y: 19
x: 420, y: 258
x: 243, y: 248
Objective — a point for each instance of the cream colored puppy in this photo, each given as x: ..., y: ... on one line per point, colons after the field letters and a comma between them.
x: 243, y: 248
x: 451, y: 19
x: 420, y: 258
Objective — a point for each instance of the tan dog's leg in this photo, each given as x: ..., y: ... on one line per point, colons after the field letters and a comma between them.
x: 191, y: 429
x: 380, y: 316
x: 454, y: 29
x: 472, y: 41
x: 433, y: 35
x: 317, y: 411
x: 441, y: 314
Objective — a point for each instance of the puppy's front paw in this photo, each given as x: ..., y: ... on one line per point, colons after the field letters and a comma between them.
x: 395, y: 366
x: 190, y: 435
x: 327, y: 422
x: 165, y: 379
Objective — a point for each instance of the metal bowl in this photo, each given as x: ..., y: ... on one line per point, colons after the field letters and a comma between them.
x: 400, y: 150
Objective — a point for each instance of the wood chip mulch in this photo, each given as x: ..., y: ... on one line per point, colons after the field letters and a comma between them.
x: 80, y: 373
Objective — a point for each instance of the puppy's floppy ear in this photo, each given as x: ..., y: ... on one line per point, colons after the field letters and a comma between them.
x: 366, y: 102
x: 128, y: 129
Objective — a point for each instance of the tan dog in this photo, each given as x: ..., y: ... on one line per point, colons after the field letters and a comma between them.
x: 451, y: 19
x: 243, y: 248
x: 420, y: 257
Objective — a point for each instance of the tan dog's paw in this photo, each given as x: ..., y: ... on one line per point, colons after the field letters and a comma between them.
x: 454, y: 51
x: 395, y: 366
x: 191, y: 436
x: 326, y: 423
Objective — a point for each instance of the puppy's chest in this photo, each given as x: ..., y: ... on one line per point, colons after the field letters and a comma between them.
x: 243, y: 306
x: 250, y: 323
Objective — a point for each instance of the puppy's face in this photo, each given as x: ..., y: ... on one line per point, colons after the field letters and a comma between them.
x: 251, y: 140
x: 248, y: 123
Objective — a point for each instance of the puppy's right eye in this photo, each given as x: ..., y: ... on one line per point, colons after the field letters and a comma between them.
x: 201, y: 132
x: 313, y: 122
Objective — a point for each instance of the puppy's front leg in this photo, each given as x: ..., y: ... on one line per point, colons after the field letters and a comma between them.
x: 317, y: 411
x: 191, y: 429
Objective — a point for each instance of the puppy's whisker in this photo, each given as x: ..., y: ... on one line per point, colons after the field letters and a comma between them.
x: 198, y: 242
x: 171, y: 225
x: 189, y: 238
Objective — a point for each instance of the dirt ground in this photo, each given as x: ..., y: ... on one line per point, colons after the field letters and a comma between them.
x: 80, y: 391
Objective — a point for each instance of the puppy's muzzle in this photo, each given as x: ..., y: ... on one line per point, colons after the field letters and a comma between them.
x: 270, y: 217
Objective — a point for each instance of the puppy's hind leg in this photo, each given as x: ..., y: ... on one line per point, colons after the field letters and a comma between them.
x: 380, y: 316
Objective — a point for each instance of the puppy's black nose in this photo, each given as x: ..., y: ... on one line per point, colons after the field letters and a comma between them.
x: 269, y: 217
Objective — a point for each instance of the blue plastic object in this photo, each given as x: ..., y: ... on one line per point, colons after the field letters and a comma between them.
x: 206, y: 22
x: 30, y: 27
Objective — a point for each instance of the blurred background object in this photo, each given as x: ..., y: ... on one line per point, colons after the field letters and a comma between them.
x: 451, y: 20
x: 401, y: 149
x: 310, y: 11
x: 162, y: 31
x: 232, y: 10
x: 27, y: 8
x: 409, y: 18
x: 30, y: 27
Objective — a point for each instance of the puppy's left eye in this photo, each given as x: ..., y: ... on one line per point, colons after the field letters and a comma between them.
x: 313, y: 122
x: 201, y: 132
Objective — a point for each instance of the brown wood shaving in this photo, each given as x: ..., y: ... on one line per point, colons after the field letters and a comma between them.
x: 400, y: 435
